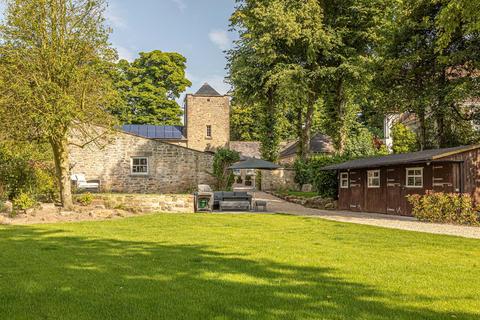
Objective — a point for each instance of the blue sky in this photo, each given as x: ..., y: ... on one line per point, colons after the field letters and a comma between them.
x: 198, y: 29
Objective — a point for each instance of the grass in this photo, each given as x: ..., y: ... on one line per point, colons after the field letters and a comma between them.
x: 176, y: 266
x: 301, y: 194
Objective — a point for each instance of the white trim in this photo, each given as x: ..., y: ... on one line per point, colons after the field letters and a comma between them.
x: 378, y: 177
x: 139, y: 173
x: 342, y: 178
x: 413, y: 176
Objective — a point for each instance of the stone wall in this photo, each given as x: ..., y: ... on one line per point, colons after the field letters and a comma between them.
x: 280, y: 179
x: 178, y: 203
x: 202, y: 111
x: 247, y: 148
x: 172, y: 169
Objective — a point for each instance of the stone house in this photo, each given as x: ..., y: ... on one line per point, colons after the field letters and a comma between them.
x: 128, y: 163
x: 319, y: 144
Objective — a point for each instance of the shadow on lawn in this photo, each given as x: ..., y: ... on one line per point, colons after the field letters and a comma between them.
x: 47, y: 275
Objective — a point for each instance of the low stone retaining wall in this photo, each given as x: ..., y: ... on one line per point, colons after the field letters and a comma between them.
x: 314, y: 203
x: 178, y: 203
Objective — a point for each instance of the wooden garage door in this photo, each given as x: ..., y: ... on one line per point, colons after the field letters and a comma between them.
x: 395, y: 198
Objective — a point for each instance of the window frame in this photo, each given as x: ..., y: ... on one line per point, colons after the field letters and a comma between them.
x: 369, y: 185
x: 208, y: 133
x: 413, y: 176
x: 343, y: 178
x: 132, y: 165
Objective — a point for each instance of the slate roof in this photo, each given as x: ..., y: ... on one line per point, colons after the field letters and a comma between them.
x: 398, y: 159
x: 207, y: 91
x: 319, y: 143
x: 155, y: 132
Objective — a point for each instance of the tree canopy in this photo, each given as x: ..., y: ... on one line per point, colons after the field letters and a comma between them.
x: 55, y: 62
x: 149, y: 87
x: 340, y: 67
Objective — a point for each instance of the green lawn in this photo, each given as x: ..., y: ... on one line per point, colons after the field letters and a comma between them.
x: 234, y: 267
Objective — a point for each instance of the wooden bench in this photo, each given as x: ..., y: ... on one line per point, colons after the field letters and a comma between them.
x: 234, y: 205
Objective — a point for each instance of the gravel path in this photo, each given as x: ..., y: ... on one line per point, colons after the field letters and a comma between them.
x: 382, y: 220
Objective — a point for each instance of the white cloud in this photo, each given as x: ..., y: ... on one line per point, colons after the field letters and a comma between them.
x: 114, y: 18
x: 220, y: 38
x: 125, y: 53
x: 182, y: 6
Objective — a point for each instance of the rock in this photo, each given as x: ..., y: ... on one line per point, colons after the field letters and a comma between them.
x: 67, y: 213
x: 8, y: 206
x: 100, y: 206
x: 48, y: 206
x: 307, y: 187
x: 329, y: 206
x: 121, y: 213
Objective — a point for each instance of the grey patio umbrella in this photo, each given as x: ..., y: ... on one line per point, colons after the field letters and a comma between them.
x: 254, y: 163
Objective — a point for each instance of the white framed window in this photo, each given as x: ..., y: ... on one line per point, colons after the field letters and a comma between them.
x: 414, y: 177
x: 139, y: 165
x: 209, y: 131
x: 344, y: 180
x: 373, y: 178
x: 250, y: 172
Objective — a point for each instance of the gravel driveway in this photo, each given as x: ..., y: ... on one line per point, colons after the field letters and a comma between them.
x: 382, y: 220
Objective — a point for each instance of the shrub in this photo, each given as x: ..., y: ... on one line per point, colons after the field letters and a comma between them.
x: 23, y: 201
x: 46, y: 185
x: 26, y: 168
x: 324, y: 182
x: 404, y: 139
x: 445, y: 208
x: 223, y: 159
x: 85, y: 199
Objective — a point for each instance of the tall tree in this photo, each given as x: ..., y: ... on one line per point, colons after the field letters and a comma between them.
x: 355, y: 28
x: 275, y: 63
x: 54, y: 60
x: 149, y: 87
x: 435, y: 78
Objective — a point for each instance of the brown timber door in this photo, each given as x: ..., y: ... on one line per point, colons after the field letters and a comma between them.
x: 443, y: 178
x: 395, y: 195
x: 356, y: 191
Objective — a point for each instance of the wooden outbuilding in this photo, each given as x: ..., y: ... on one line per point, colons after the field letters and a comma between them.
x: 381, y: 184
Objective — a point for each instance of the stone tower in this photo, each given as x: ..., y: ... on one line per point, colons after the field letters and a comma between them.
x: 207, y: 119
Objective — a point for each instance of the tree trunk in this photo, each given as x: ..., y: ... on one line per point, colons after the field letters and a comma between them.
x: 62, y: 167
x: 423, y: 131
x: 341, y: 104
x: 442, y: 138
x: 300, y: 131
x: 270, y: 141
x: 307, y: 127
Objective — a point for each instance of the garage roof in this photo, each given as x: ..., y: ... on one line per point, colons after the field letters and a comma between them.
x: 397, y: 159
